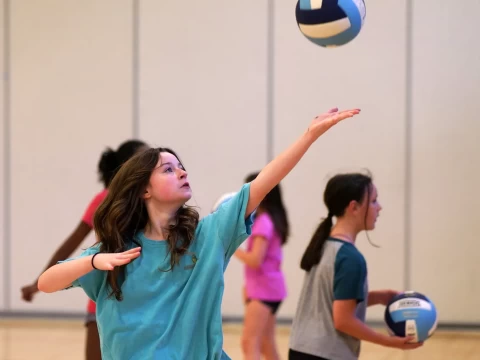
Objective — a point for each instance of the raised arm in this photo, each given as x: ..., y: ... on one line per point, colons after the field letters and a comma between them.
x: 279, y: 167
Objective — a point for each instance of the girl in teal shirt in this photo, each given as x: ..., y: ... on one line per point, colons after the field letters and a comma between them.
x: 167, y: 303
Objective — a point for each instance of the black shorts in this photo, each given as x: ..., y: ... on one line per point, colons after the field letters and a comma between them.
x: 273, y: 305
x: 296, y: 355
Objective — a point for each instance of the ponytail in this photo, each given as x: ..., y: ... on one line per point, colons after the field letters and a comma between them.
x: 313, y: 253
x: 340, y: 191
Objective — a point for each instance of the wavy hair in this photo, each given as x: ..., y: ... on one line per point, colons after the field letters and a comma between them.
x: 123, y: 213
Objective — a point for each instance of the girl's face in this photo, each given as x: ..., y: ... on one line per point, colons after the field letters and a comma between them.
x: 370, y: 209
x: 168, y: 182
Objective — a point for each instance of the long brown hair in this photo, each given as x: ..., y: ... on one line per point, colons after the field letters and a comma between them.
x: 123, y: 213
x: 273, y: 205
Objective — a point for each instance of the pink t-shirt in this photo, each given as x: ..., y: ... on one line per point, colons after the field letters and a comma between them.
x: 87, y: 217
x: 267, y: 282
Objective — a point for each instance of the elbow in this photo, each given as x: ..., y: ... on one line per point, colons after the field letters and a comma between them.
x: 43, y: 285
x: 255, y: 264
x: 341, y: 323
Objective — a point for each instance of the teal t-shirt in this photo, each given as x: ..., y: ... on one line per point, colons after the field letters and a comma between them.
x: 174, y: 315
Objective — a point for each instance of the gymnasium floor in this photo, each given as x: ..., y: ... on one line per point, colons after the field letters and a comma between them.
x: 61, y: 339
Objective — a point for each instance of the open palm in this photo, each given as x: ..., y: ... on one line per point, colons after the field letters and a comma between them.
x: 109, y: 261
x: 325, y: 121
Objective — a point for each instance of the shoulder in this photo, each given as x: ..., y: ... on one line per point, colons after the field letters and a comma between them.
x: 349, y: 256
x: 263, y: 218
x: 97, y: 199
x: 238, y: 200
x: 263, y: 225
x: 350, y: 274
x: 100, y: 196
x: 92, y: 207
x: 234, y: 207
x: 206, y: 231
x: 228, y: 223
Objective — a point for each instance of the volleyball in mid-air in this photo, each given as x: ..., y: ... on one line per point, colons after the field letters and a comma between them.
x: 330, y: 23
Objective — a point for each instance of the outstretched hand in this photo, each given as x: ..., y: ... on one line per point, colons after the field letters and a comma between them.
x: 325, y: 121
x: 109, y: 261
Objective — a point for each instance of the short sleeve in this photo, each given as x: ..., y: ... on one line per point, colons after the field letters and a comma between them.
x: 229, y: 220
x: 87, y: 217
x: 91, y: 282
x: 350, y: 275
x: 263, y: 226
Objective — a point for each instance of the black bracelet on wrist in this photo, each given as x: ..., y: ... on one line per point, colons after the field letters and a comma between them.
x: 93, y: 257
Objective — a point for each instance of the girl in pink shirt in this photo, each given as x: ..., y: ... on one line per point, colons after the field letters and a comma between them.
x: 265, y: 286
x: 110, y: 162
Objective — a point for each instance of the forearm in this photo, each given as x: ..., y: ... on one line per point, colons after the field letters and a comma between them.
x: 278, y: 168
x: 357, y: 329
x: 247, y: 258
x: 374, y: 298
x: 62, y: 275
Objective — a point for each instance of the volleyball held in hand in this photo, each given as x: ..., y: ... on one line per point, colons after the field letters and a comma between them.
x: 411, y: 314
x: 330, y: 23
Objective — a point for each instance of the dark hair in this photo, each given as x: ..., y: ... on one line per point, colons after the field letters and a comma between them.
x: 339, y: 192
x: 110, y: 160
x: 123, y: 213
x: 273, y: 205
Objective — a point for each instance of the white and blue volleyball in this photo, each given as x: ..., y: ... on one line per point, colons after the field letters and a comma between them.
x: 222, y: 200
x: 411, y: 314
x: 330, y: 23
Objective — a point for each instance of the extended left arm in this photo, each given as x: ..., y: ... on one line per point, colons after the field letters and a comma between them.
x: 276, y: 170
x: 279, y: 167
